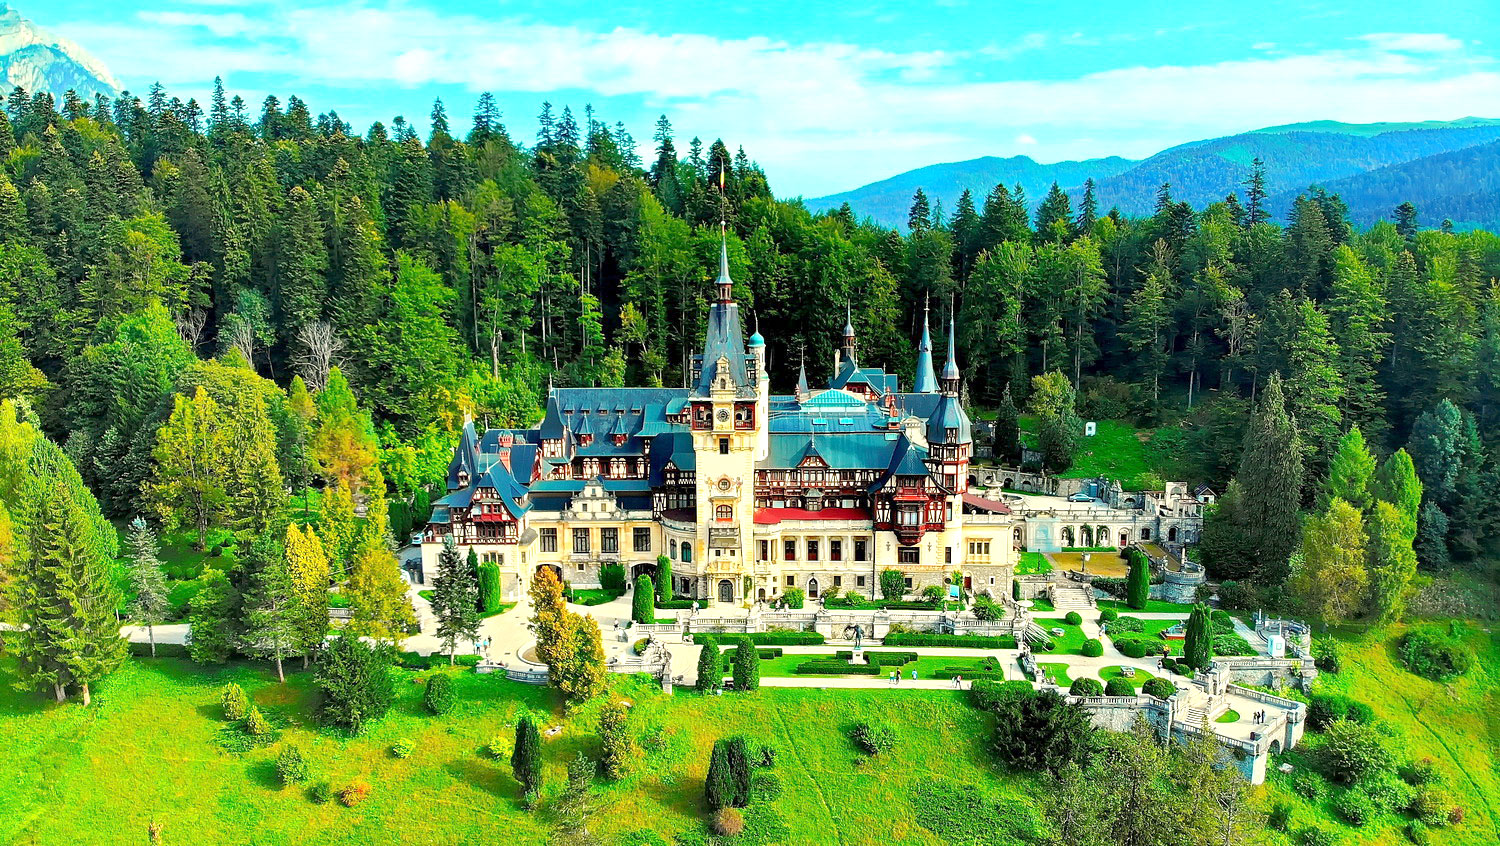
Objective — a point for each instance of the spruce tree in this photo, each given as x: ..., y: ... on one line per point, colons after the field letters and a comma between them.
x: 1007, y: 429
x: 718, y: 785
x: 526, y: 757
x: 1270, y: 477
x: 1351, y: 471
x: 739, y: 769
x: 149, y: 605
x: 66, y: 598
x: 642, y: 605
x: 710, y: 665
x: 1396, y: 482
x: 1225, y: 541
x: 455, y: 599
x: 272, y: 613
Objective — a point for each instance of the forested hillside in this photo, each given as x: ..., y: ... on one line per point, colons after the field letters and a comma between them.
x: 166, y: 273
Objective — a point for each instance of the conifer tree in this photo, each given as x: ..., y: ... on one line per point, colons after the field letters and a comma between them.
x: 526, y: 757
x: 1393, y: 561
x: 308, y: 567
x: 1396, y: 482
x: 66, y: 598
x: 1138, y: 582
x: 1007, y: 428
x: 1270, y: 477
x: 455, y: 599
x: 746, y: 666
x: 718, y: 785
x: 710, y: 665
x: 213, y: 619
x: 301, y: 266
x: 272, y: 615
x: 1198, y: 646
x: 1054, y: 217
x: 584, y: 675
x: 663, y: 579
x: 642, y: 604
x: 1255, y: 194
x: 188, y: 485
x: 149, y: 605
x: 1351, y: 472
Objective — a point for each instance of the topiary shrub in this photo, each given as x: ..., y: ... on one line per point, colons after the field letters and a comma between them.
x: 1355, y: 807
x: 1131, y: 647
x: 1119, y: 686
x: 402, y: 749
x: 1092, y: 648
x: 321, y: 792
x: 1160, y: 688
x: 1169, y: 663
x: 438, y: 697
x: 256, y: 724
x: 354, y: 793
x: 291, y: 767
x: 1073, y: 618
x: 1108, y: 614
x: 729, y: 822
x: 873, y: 738
x: 234, y: 703
x: 765, y: 787
x: 1086, y: 687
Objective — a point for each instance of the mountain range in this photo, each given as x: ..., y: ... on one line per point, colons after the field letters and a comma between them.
x: 37, y: 60
x: 1448, y: 168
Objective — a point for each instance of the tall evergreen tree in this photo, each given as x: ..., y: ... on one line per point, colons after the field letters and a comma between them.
x: 526, y: 756
x: 710, y: 665
x: 455, y: 598
x: 148, y: 607
x: 1351, y: 472
x: 1393, y: 561
x: 1198, y: 647
x: 1270, y: 476
x: 1007, y: 429
x: 272, y: 622
x: 308, y: 567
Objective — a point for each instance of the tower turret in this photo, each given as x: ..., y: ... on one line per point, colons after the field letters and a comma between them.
x: 926, y: 379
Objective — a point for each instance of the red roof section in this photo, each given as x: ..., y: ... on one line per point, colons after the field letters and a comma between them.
x: 771, y: 516
x: 984, y: 504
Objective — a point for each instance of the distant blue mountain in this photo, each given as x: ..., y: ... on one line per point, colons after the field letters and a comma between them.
x: 889, y: 200
x: 1200, y: 172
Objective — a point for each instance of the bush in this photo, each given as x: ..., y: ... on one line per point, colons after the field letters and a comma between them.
x: 354, y: 793
x: 987, y: 695
x: 1160, y: 688
x: 1126, y: 625
x: 291, y: 767
x: 1432, y: 806
x: 234, y: 703
x: 1073, y: 618
x: 490, y: 598
x: 402, y: 749
x: 873, y: 738
x: 1353, y: 751
x: 1277, y: 819
x: 729, y: 822
x: 1119, y: 686
x: 322, y: 792
x: 1421, y: 773
x: 1108, y: 614
x: 884, y: 659
x: 1310, y: 786
x: 1355, y: 807
x: 1326, y: 656
x: 1087, y: 687
x: 612, y: 577
x: 1314, y: 836
x: 794, y: 597
x: 256, y: 724
x: 1092, y: 648
x: 765, y: 757
x: 771, y: 652
x: 746, y: 667
x: 1169, y: 663
x: 1325, y: 708
x: 1238, y: 596
x: 765, y: 787
x: 1416, y: 832
x: 438, y: 698
x: 355, y: 680
x: 835, y: 667
x: 643, y: 601
x: 1131, y: 647
x: 497, y: 747
x: 1433, y: 656
x: 965, y: 641
x: 985, y: 609
x: 1388, y: 792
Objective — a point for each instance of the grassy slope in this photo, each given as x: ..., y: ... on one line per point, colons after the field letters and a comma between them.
x: 1456, y: 725
x: 147, y: 750
x: 1119, y: 451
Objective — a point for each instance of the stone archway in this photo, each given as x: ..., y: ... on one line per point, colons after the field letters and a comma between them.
x: 1275, y: 748
x: 1086, y: 534
x: 1101, y: 534
x: 648, y: 569
x: 812, y: 588
x: 1172, y: 535
x: 760, y: 595
x: 1068, y: 538
x: 726, y: 590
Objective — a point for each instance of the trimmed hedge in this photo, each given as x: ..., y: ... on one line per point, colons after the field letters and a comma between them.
x: 766, y: 654
x: 1126, y: 625
x: 785, y: 638
x: 1119, y: 686
x: 1092, y: 648
x: 833, y: 667
x: 1073, y: 618
x: 1108, y: 614
x: 674, y: 604
x: 1160, y: 688
x: 884, y: 659
x: 1087, y: 687
x: 1131, y: 647
x: 966, y: 641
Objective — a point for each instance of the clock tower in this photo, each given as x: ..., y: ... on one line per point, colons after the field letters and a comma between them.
x: 729, y: 404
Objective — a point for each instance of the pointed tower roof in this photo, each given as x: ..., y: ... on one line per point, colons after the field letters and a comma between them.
x: 926, y: 381
x: 848, y: 320
x: 802, y: 390
x: 950, y: 368
x: 725, y: 338
x: 726, y: 285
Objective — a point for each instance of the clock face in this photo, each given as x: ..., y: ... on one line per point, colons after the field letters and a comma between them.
x: 723, y: 415
x: 724, y: 484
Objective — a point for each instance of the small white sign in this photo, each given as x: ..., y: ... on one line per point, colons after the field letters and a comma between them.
x: 1090, y: 429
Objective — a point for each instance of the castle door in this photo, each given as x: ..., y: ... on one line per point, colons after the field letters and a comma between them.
x: 726, y: 590
x: 812, y: 588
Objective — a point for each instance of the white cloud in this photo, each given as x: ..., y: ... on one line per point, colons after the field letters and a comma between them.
x: 820, y: 115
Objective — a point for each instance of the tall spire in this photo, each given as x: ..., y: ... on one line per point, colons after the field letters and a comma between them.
x: 926, y: 380
x: 726, y: 285
x: 802, y: 390
x: 950, y: 368
x: 847, y: 359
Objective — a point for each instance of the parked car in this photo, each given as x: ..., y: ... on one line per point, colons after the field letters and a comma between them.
x: 1080, y: 497
x: 416, y: 538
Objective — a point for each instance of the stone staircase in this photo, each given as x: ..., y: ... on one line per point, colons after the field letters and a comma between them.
x: 1070, y: 597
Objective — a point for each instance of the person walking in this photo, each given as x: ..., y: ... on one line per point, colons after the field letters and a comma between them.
x: 913, y: 673
x: 958, y: 682
x: 893, y: 678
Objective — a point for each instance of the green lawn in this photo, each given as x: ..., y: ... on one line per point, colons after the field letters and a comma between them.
x: 1230, y: 716
x: 1137, y: 457
x: 1033, y: 564
x: 1457, y: 725
x: 147, y: 751
x: 1042, y: 603
x: 1068, y: 643
x: 1057, y: 672
x: 594, y: 596
x: 1140, y: 677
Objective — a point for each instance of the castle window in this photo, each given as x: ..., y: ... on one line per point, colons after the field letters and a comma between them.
x: 723, y: 446
x: 549, y: 540
x: 908, y: 555
x: 672, y: 545
x: 724, y: 513
x: 791, y: 581
x: 859, y: 552
x: 642, y: 539
x: 835, y: 551
x: 765, y: 550
x: 609, y: 539
x: 580, y: 540
x: 812, y: 550
x: 789, y: 550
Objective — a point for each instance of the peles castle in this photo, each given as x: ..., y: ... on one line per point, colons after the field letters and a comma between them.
x: 745, y: 492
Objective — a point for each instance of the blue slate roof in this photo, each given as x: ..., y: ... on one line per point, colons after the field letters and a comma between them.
x: 926, y: 380
x: 949, y: 417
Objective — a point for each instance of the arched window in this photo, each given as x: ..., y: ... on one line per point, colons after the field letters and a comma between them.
x: 673, y: 547
x: 724, y: 513
x: 687, y: 553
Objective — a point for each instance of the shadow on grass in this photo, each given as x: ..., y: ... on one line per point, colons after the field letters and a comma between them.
x: 262, y: 773
x: 491, y: 775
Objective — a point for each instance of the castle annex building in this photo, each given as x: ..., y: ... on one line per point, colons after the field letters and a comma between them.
x: 745, y: 492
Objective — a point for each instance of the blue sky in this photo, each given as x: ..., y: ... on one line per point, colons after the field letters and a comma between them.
x: 828, y: 96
